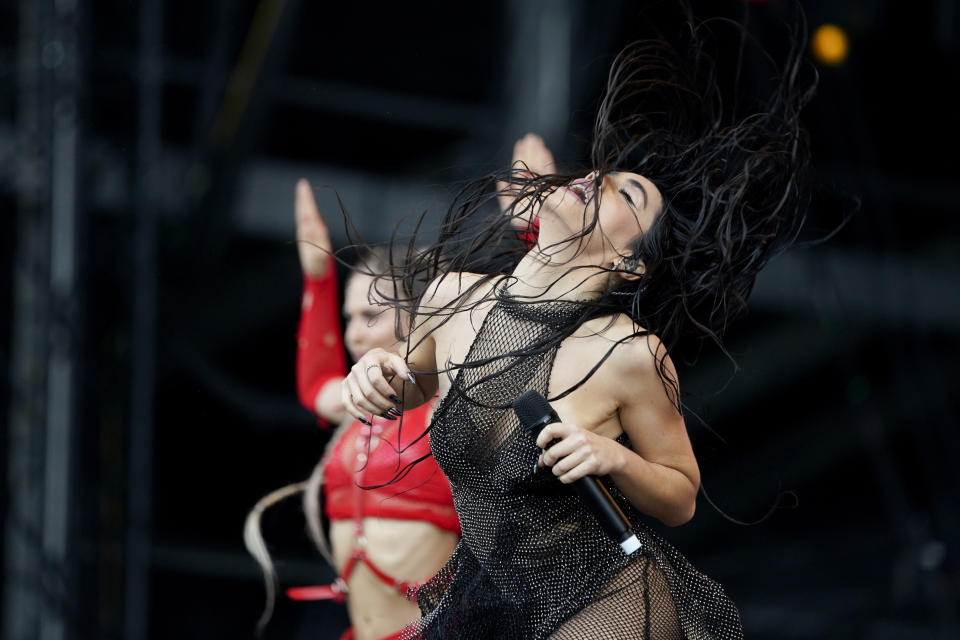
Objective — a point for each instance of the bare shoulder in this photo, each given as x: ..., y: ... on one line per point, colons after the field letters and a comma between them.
x: 635, y: 353
x: 448, y: 295
x: 450, y: 288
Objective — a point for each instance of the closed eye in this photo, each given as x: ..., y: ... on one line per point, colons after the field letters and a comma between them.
x: 629, y: 200
x: 366, y: 316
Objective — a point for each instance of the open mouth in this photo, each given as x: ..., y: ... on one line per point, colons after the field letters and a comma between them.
x: 583, y: 189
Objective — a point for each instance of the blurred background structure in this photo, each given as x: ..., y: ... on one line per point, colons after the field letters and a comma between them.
x: 148, y: 155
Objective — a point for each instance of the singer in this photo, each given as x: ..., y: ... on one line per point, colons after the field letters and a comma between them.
x: 689, y: 196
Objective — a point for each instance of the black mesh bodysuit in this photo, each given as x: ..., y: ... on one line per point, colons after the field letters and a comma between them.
x: 533, y: 562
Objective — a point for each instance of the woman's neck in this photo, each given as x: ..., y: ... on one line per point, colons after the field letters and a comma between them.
x: 542, y: 277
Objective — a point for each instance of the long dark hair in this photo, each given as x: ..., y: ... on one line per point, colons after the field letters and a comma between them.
x: 730, y: 166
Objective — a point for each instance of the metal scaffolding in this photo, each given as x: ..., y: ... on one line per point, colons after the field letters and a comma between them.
x: 40, y: 576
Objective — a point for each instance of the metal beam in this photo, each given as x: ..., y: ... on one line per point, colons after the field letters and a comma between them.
x: 239, y: 118
x: 144, y: 330
x: 28, y: 363
x: 108, y: 191
x: 40, y: 571
x: 339, y: 98
x: 394, y: 107
x: 861, y: 289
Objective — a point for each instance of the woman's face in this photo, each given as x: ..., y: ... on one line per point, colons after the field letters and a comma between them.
x: 628, y: 205
x: 368, y: 325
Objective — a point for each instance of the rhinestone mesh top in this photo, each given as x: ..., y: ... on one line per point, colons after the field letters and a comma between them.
x: 533, y: 562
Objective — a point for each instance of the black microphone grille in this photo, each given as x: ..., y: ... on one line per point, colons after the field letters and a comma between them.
x: 531, y: 407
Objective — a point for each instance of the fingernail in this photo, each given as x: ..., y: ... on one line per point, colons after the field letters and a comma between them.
x: 393, y: 411
x: 387, y: 416
x: 396, y: 400
x: 410, y: 378
x: 364, y: 421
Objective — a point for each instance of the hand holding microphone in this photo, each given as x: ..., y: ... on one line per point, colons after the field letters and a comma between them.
x: 535, y: 413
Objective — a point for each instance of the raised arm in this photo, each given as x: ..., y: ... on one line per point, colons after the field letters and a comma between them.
x: 530, y: 156
x: 321, y: 363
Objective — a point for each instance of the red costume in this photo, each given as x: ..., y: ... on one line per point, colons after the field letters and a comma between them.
x: 364, y: 456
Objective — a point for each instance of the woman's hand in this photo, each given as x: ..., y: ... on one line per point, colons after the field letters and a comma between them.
x: 531, y: 152
x: 530, y: 155
x: 374, y: 384
x: 579, y: 452
x: 313, y: 238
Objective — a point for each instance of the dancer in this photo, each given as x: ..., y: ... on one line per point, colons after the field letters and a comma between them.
x: 690, y: 195
x: 382, y: 541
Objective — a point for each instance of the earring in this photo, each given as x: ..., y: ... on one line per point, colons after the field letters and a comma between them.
x: 625, y: 264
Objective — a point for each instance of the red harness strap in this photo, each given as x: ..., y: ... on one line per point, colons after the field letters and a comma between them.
x: 337, y: 591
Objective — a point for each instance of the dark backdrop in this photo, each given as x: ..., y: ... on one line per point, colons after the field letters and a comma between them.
x: 148, y: 153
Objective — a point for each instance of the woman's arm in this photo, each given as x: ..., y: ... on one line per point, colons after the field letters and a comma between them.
x: 321, y: 363
x: 659, y: 475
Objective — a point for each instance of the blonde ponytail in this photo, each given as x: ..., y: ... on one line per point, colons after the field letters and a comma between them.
x: 253, y: 539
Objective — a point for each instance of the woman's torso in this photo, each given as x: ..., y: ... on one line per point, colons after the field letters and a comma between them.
x: 533, y: 562
x: 407, y: 530
x: 407, y: 549
x: 543, y: 561
x: 538, y: 545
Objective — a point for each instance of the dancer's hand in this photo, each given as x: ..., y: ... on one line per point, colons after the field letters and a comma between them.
x: 579, y: 452
x: 313, y: 237
x: 531, y: 151
x: 530, y: 154
x: 367, y: 389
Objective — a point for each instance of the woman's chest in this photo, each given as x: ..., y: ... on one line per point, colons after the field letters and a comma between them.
x: 575, y: 373
x: 454, y: 342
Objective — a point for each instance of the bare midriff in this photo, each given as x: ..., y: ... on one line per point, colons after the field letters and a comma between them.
x: 409, y: 550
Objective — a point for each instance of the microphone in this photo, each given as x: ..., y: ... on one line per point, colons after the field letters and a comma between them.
x: 535, y: 413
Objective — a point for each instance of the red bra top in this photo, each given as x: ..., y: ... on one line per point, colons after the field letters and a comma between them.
x: 368, y: 456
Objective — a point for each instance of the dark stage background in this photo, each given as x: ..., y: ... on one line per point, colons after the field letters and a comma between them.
x: 148, y: 155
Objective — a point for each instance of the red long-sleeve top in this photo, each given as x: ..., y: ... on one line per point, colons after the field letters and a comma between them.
x: 320, y: 354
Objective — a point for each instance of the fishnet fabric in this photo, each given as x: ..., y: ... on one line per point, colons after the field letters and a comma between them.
x: 533, y: 562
